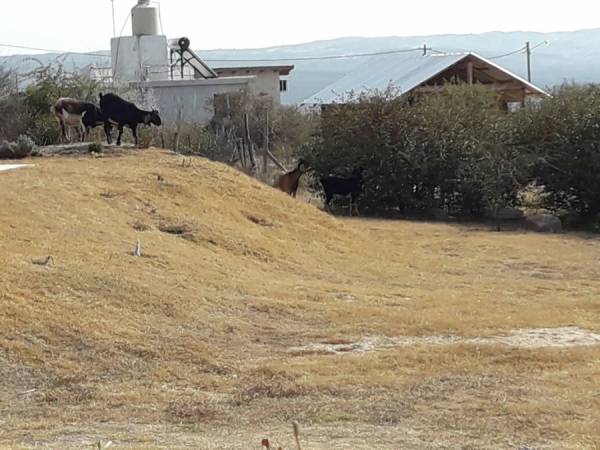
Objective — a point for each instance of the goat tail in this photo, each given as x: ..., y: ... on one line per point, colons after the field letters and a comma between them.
x: 297, y: 434
x: 101, y: 95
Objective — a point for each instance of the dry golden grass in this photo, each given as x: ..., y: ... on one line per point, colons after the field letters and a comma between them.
x: 190, y: 345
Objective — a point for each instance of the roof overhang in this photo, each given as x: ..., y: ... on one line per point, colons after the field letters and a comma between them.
x: 530, y: 86
x: 283, y: 70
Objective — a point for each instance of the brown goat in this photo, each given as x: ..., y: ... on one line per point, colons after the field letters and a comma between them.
x: 289, y: 182
x: 82, y: 116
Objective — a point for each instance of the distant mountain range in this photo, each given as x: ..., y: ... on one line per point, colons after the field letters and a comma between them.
x: 570, y: 57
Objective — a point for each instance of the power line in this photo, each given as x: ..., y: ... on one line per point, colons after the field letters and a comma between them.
x: 305, y: 58
x: 318, y: 58
x: 61, y: 52
x: 508, y: 54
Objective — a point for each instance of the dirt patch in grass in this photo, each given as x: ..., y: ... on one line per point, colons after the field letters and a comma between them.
x: 565, y: 337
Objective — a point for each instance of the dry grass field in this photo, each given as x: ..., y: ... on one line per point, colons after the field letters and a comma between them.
x: 249, y: 310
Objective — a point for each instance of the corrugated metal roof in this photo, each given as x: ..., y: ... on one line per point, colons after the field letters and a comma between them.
x: 403, y: 71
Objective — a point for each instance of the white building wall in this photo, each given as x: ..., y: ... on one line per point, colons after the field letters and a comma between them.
x: 267, y: 83
x: 192, y: 99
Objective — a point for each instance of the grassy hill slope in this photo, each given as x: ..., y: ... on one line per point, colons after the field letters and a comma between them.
x: 206, y: 339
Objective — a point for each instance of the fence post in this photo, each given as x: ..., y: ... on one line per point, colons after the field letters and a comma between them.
x: 266, y: 150
x: 249, y: 145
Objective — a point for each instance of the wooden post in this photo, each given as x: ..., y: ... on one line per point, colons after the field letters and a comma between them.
x: 528, y: 52
x: 266, y: 144
x: 235, y: 154
x: 277, y: 163
x: 178, y: 129
x: 243, y: 153
x: 470, y: 72
x: 252, y: 155
x: 249, y: 146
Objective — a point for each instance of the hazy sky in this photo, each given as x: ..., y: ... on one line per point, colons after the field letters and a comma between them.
x: 85, y: 25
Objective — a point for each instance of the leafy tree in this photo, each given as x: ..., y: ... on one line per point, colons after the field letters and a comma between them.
x: 562, y: 136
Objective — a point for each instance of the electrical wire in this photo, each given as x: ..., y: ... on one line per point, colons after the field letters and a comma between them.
x: 320, y: 58
x: 116, y: 64
x: 508, y: 54
x: 292, y: 59
x: 305, y: 58
x: 61, y: 52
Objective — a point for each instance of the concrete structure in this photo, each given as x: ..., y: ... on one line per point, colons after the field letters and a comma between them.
x: 139, y: 58
x: 191, y: 101
x: 143, y: 56
x: 267, y: 79
x: 173, y: 78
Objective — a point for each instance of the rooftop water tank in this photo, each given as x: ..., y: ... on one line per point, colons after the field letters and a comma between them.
x: 145, y: 19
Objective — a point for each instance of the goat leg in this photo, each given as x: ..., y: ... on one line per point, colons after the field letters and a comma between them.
x: 108, y: 132
x: 63, y: 130
x: 120, y: 135
x: 134, y: 131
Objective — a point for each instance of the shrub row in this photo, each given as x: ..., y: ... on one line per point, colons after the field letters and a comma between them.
x: 457, y: 150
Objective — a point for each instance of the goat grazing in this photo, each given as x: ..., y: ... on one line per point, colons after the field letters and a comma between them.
x: 82, y: 116
x: 288, y: 182
x: 121, y: 113
x: 352, y: 186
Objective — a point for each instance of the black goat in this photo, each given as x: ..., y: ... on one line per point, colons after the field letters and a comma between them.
x: 352, y: 186
x: 121, y: 113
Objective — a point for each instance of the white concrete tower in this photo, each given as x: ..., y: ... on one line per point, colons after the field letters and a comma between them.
x: 144, y: 55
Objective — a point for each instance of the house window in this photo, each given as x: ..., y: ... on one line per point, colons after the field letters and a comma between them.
x: 283, y: 85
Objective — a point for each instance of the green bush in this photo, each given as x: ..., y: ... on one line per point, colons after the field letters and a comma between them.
x: 22, y: 148
x: 29, y: 112
x: 448, y: 150
x: 562, y: 138
x: 96, y: 147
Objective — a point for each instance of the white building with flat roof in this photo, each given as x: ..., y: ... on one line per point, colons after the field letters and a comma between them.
x: 175, y: 80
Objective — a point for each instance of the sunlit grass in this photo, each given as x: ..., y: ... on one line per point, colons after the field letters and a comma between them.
x: 189, y: 345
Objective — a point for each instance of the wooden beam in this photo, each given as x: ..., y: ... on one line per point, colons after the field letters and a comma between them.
x: 470, y: 72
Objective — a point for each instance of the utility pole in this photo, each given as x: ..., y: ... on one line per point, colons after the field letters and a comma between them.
x: 528, y: 52
x: 113, y: 18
